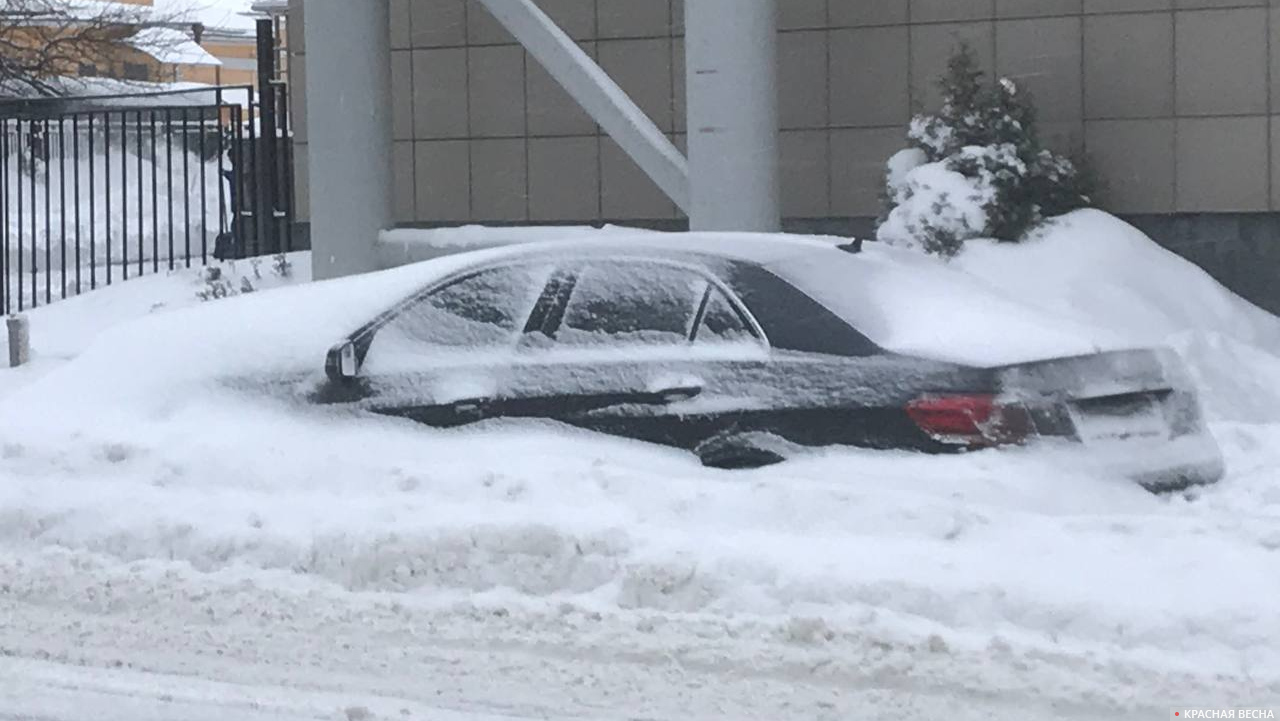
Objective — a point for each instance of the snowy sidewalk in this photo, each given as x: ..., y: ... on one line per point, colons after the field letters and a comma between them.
x: 156, y: 642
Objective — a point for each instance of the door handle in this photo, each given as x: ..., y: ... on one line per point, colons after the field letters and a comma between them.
x: 675, y: 392
x: 675, y: 388
x: 470, y: 408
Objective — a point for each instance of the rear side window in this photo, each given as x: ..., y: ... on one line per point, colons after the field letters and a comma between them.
x: 482, y: 311
x: 632, y: 302
x: 791, y: 319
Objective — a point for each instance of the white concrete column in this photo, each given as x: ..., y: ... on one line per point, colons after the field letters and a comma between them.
x: 731, y: 49
x: 349, y: 132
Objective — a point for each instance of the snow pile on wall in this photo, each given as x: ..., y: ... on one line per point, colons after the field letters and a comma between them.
x: 1095, y: 269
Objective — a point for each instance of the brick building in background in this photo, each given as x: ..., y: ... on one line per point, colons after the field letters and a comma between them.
x: 205, y: 41
x: 1176, y: 102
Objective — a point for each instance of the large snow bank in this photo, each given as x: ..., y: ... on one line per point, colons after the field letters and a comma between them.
x: 64, y: 330
x: 1098, y: 268
x: 1095, y: 269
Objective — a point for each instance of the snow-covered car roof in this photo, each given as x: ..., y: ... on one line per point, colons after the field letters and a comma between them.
x: 903, y: 301
x: 758, y: 248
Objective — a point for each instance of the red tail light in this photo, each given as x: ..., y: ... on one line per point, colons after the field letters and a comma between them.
x: 975, y: 420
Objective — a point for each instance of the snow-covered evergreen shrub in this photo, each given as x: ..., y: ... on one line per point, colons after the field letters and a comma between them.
x: 976, y: 169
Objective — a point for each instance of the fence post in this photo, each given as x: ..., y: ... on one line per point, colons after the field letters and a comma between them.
x: 265, y: 171
x: 19, y: 340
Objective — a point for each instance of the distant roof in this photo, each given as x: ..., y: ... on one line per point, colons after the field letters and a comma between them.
x: 171, y: 46
x: 235, y: 17
x: 220, y: 17
x: 271, y: 6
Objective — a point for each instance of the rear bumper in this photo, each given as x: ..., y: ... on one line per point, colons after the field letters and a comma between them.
x: 1182, y: 477
x: 1157, y: 465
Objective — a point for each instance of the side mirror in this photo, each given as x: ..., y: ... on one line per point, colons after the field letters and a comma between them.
x: 341, y: 363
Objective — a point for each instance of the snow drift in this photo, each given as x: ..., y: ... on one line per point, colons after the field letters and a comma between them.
x: 1095, y: 269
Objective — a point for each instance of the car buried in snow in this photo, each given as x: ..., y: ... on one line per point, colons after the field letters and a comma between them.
x: 745, y: 348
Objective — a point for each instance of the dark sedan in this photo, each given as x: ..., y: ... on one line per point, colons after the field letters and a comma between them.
x: 745, y: 349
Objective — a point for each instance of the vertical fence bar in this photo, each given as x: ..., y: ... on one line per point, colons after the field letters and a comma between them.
x: 155, y: 199
x: 142, y: 254
x: 259, y: 217
x: 265, y: 162
x: 186, y: 180
x: 286, y: 173
x: 35, y: 213
x: 21, y: 178
x: 168, y: 152
x: 106, y: 184
x: 62, y: 204
x: 238, y: 184
x: 204, y: 189
x: 62, y: 199
x: 93, y: 210
x: 4, y: 215
x: 48, y: 213
x: 124, y: 195
x: 222, y: 184
x: 75, y: 169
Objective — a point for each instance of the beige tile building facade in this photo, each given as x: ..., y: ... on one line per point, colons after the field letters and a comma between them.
x: 1176, y: 102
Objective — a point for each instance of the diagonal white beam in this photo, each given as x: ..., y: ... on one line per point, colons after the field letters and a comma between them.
x: 598, y: 94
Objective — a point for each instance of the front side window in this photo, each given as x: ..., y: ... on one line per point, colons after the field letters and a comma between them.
x: 632, y: 303
x: 482, y: 312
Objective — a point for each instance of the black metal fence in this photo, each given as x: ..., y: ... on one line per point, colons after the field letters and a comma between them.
x: 97, y: 190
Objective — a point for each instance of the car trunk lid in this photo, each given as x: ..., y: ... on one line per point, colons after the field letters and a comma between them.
x: 1106, y: 397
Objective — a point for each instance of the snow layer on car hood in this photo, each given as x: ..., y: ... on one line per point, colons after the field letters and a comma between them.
x: 154, y: 359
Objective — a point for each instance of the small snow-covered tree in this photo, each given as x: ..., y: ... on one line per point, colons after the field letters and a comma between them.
x: 977, y: 168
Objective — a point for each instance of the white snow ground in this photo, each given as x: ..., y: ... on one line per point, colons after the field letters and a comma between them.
x: 174, y: 550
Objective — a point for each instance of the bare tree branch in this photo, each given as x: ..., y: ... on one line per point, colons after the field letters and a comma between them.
x: 43, y: 42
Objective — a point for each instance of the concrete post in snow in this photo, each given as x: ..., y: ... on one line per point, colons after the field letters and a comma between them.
x: 349, y: 125
x: 731, y: 50
x: 19, y: 340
